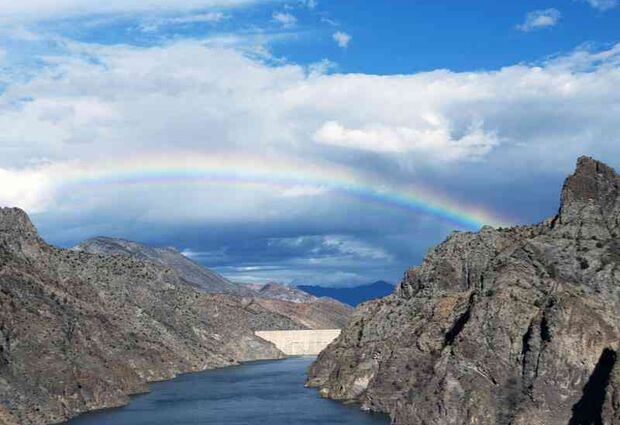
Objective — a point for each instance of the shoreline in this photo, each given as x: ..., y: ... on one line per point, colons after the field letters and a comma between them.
x: 255, y: 392
x: 131, y: 396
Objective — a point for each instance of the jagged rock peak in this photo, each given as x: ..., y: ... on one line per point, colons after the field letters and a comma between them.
x: 591, y: 181
x: 16, y: 228
x: 590, y: 205
x: 15, y: 220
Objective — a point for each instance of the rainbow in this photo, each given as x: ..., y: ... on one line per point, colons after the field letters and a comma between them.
x: 279, y: 173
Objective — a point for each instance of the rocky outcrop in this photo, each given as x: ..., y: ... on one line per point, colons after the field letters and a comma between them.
x: 504, y: 326
x: 277, y: 291
x: 192, y: 273
x: 321, y: 313
x: 82, y: 331
x: 307, y: 310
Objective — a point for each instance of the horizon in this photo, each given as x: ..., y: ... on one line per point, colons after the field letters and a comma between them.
x: 302, y: 142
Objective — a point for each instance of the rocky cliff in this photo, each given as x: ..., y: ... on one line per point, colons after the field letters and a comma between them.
x: 82, y: 331
x: 504, y: 326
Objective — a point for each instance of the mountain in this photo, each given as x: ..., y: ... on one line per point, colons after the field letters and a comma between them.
x: 303, y: 309
x: 351, y: 296
x: 191, y: 272
x: 503, y: 326
x: 277, y: 291
x: 320, y: 313
x: 81, y: 331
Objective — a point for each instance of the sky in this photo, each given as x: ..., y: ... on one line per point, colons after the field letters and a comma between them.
x: 303, y: 141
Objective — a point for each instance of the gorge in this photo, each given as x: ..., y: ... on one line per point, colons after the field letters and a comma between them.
x: 82, y: 331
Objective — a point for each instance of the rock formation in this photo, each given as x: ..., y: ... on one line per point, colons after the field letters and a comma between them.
x: 277, y: 291
x: 321, y: 313
x: 82, y: 331
x: 504, y: 326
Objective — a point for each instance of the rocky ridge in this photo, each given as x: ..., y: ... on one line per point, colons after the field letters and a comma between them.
x: 321, y: 313
x: 191, y: 272
x: 82, y: 331
x: 305, y: 309
x: 281, y: 292
x: 503, y: 326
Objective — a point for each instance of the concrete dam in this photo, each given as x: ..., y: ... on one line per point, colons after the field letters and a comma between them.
x: 298, y: 343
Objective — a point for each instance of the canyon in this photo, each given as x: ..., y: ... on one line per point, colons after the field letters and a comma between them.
x: 81, y: 331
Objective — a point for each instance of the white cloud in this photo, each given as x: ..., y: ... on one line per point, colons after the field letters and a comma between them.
x: 351, y: 247
x: 41, y: 9
x: 311, y: 4
x: 202, y: 101
x: 342, y: 39
x: 434, y: 142
x: 208, y: 18
x: 539, y: 19
x: 285, y: 19
x: 602, y: 5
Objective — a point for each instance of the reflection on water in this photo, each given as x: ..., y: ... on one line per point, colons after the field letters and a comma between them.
x: 269, y: 393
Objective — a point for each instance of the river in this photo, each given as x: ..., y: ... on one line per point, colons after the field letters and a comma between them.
x: 265, y: 393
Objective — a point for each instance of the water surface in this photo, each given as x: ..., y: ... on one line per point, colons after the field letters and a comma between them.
x: 269, y: 393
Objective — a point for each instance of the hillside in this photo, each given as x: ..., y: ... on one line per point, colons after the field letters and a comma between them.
x: 277, y: 291
x: 83, y: 331
x: 191, y: 272
x: 504, y: 326
x: 303, y: 309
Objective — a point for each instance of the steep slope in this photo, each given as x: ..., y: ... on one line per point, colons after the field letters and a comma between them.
x: 277, y: 291
x: 352, y: 296
x: 193, y: 273
x: 321, y: 313
x: 302, y: 308
x: 81, y: 331
x: 508, y: 326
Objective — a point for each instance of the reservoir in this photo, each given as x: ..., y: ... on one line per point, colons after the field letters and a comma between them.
x: 265, y: 393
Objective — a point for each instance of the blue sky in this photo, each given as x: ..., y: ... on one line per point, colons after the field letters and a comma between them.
x: 309, y: 124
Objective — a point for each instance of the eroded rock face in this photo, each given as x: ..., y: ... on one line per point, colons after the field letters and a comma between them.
x: 81, y: 331
x: 509, y: 326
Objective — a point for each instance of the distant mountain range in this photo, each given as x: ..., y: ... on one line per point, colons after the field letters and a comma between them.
x: 354, y: 295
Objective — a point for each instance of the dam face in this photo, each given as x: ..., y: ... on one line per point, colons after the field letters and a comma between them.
x: 298, y: 343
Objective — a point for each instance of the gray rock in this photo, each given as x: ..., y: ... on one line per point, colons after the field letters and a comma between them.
x: 504, y: 326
